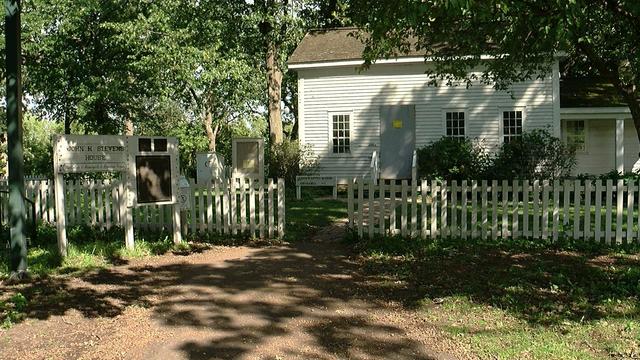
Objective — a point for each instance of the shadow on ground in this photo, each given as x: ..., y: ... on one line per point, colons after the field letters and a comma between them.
x: 542, y: 287
x: 311, y: 295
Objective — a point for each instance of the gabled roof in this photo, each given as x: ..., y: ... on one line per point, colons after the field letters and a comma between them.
x: 339, y: 44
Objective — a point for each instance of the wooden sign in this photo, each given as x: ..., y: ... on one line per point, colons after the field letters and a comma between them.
x: 89, y: 153
x: 316, y: 181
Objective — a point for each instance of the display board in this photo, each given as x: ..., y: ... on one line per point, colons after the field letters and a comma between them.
x: 149, y: 167
x: 93, y: 153
x: 248, y: 157
x: 209, y: 166
x: 154, y: 166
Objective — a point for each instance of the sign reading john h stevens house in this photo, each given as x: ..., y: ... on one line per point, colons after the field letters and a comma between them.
x: 78, y: 153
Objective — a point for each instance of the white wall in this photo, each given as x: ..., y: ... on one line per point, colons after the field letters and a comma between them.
x: 344, y: 89
x: 600, y: 154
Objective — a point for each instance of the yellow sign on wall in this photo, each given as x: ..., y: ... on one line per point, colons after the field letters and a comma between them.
x: 397, y: 124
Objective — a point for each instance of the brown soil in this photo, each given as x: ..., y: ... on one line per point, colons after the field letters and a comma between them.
x: 304, y: 301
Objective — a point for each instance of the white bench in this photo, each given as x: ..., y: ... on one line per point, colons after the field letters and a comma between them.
x: 315, y: 181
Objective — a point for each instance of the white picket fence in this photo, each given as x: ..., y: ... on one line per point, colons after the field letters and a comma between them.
x: 567, y: 209
x: 257, y: 209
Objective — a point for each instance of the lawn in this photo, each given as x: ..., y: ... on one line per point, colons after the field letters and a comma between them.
x: 89, y: 248
x: 517, y: 299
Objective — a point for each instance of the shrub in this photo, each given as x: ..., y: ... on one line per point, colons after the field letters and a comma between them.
x: 452, y: 159
x: 290, y: 159
x: 535, y: 155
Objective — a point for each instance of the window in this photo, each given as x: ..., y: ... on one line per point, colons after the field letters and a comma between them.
x: 341, y: 135
x: 454, y: 122
x: 576, y: 135
x: 511, y: 125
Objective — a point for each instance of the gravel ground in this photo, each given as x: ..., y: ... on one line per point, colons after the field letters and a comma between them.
x: 303, y: 301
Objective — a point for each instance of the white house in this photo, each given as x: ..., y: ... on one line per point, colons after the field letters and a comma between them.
x: 350, y: 116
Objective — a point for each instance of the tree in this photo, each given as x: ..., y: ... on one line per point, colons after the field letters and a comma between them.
x: 95, y: 62
x: 522, y: 37
x: 215, y: 79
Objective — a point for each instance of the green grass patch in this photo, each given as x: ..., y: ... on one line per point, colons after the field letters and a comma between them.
x: 12, y: 310
x: 306, y: 216
x: 88, y: 248
x: 516, y: 299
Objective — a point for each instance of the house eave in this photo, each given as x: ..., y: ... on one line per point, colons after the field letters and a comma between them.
x: 595, y: 112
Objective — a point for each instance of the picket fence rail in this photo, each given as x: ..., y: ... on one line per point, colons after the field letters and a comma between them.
x: 557, y: 209
x: 214, y: 209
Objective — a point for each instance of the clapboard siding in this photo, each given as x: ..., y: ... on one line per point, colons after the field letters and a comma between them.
x: 344, y: 89
x: 600, y: 155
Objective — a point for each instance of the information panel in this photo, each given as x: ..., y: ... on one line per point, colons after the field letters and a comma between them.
x: 90, y: 153
x: 153, y: 178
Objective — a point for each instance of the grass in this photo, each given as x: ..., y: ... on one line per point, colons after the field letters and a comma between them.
x: 517, y: 299
x: 88, y: 249
x: 312, y: 212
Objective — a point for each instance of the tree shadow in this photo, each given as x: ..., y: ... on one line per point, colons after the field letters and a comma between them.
x: 309, y: 294
x: 542, y: 287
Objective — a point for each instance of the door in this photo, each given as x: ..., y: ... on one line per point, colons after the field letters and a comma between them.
x: 397, y: 141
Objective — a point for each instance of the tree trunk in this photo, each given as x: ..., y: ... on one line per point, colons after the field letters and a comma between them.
x: 128, y: 127
x: 212, y: 132
x: 274, y: 92
x: 634, y: 107
x: 67, y: 124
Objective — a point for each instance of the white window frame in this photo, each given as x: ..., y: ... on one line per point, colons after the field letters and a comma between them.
x: 466, y: 121
x: 501, y: 110
x: 586, y: 134
x: 330, y: 115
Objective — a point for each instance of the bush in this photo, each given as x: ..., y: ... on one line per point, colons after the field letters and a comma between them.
x: 535, y: 155
x: 452, y: 159
x: 290, y: 159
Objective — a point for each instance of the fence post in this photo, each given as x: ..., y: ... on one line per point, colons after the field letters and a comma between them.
x: 619, y: 207
x: 545, y: 209
x: 608, y: 208
x: 504, y: 226
x: 598, y: 212
x: 403, y: 219
x: 494, y: 212
x: 382, y: 206
x: 360, y: 206
x: 423, y: 208
x: 536, y: 209
x: 463, y: 200
x: 414, y: 207
x: 372, y: 204
x: 454, y: 208
x: 392, y: 208
x: 434, y: 209
x: 586, y: 234
x: 350, y: 201
x: 444, y: 227
x: 556, y: 209
x: 474, y: 208
x: 576, y: 209
x: 515, y: 200
x: 281, y: 210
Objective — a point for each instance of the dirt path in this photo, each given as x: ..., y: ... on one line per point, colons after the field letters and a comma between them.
x: 304, y: 301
